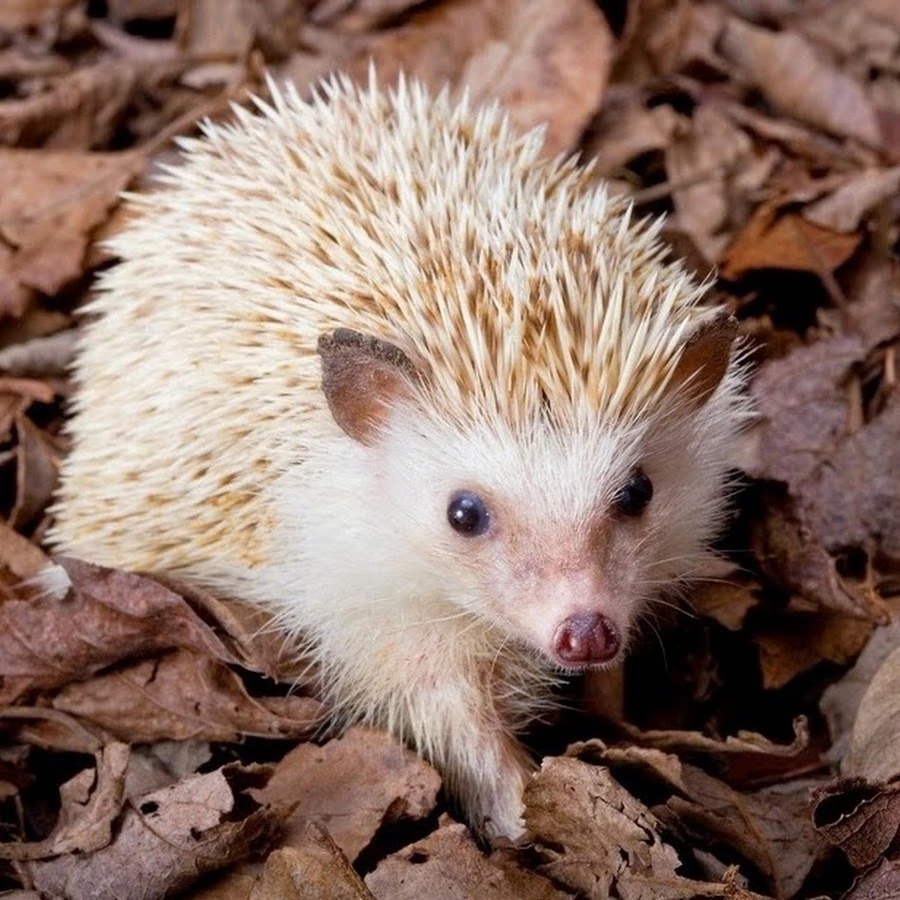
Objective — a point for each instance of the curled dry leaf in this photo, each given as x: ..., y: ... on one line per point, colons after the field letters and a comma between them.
x: 99, y: 617
x: 352, y: 785
x: 37, y: 469
x: 166, y: 840
x: 768, y: 828
x: 448, y: 863
x: 90, y: 802
x: 800, y: 83
x: 860, y: 817
x: 185, y: 695
x: 693, y: 741
x: 604, y: 841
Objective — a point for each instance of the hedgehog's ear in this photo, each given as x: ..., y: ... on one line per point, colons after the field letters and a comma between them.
x: 362, y: 379
x: 704, y: 359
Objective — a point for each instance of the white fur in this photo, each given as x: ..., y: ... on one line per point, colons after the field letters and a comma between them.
x: 548, y: 329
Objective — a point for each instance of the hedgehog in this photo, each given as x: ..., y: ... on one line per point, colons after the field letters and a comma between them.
x: 440, y: 404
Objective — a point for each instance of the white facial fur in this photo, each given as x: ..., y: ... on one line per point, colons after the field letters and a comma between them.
x: 556, y: 545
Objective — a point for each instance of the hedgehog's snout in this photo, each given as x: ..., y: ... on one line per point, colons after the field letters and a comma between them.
x: 586, y: 639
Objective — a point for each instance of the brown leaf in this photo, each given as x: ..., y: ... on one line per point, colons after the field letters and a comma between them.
x: 860, y: 817
x: 90, y: 802
x: 605, y: 842
x: 547, y: 62
x: 773, y: 240
x: 79, y: 112
x: 703, y: 161
x: 796, y: 643
x: 799, y: 82
x: 314, y: 868
x: 352, y: 785
x: 49, y: 203
x: 881, y: 882
x: 97, y: 618
x: 22, y: 558
x: 449, y: 864
x: 185, y: 695
x: 840, y: 702
x: 769, y: 828
x: 845, y: 208
x: 37, y: 471
x: 167, y: 840
x: 875, y: 741
x: 221, y: 29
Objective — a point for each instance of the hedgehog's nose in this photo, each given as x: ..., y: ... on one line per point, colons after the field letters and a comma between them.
x: 586, y: 638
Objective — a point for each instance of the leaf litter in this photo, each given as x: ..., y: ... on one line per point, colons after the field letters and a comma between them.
x: 154, y: 734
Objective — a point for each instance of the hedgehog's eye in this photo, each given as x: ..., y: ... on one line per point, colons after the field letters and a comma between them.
x: 467, y: 514
x: 636, y: 494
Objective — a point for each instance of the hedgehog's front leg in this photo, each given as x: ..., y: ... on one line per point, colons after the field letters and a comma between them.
x: 483, y: 765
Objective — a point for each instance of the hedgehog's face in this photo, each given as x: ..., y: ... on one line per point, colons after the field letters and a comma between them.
x: 557, y: 536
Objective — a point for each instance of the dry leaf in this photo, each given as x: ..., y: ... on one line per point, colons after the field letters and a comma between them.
x: 167, y: 840
x: 771, y: 240
x: 875, y: 740
x: 861, y: 818
x: 98, y: 618
x: 185, y: 695
x: 861, y: 192
x: 37, y: 470
x: 840, y: 701
x: 49, y: 203
x: 800, y: 83
x: 604, y: 841
x: 702, y: 161
x: 313, y: 868
x: 352, y: 785
x: 449, y: 864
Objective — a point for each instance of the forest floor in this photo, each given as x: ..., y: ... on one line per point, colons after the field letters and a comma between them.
x: 153, y: 742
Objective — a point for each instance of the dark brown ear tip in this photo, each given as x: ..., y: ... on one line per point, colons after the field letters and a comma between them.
x: 723, y: 326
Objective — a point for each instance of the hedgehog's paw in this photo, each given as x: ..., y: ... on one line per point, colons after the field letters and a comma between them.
x: 501, y: 808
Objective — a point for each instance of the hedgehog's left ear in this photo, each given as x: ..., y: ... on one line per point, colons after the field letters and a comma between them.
x: 363, y: 377
x: 704, y: 359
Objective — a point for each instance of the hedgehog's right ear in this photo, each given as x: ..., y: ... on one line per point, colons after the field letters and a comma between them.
x: 363, y: 377
x: 704, y: 359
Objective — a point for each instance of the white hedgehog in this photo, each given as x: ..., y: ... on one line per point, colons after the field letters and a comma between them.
x: 437, y: 402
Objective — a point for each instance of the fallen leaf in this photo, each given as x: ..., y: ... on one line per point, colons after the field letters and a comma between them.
x: 21, y: 557
x: 166, y: 840
x: 314, y: 868
x: 547, y: 62
x: 37, y: 471
x: 875, y: 741
x: 699, y: 164
x: 49, y: 203
x: 18, y: 15
x: 449, y: 864
x: 598, y: 839
x: 97, y: 617
x: 90, y: 802
x: 792, y: 645
x: 185, y: 695
x: 775, y: 240
x: 352, y: 785
x: 840, y: 702
x: 860, y: 817
x: 50, y: 355
x: 881, y: 882
x: 844, y: 209
x: 799, y: 82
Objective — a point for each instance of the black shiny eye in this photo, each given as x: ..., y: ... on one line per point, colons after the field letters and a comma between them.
x: 467, y: 514
x: 636, y: 494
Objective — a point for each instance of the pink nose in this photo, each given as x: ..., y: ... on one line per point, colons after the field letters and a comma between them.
x: 586, y: 638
